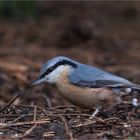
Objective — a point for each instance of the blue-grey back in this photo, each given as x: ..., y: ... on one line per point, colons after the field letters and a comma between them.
x: 88, y: 75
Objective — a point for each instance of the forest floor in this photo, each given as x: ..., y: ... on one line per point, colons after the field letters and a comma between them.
x: 98, y: 35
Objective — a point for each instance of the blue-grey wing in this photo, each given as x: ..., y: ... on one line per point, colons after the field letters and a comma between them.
x: 87, y: 76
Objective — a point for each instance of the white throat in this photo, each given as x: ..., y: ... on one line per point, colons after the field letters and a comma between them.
x: 54, y: 75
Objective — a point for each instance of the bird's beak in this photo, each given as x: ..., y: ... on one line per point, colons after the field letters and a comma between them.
x: 38, y: 81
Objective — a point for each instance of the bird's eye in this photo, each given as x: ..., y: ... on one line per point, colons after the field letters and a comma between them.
x: 50, y: 69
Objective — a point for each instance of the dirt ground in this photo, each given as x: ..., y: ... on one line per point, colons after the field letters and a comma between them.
x: 103, y: 34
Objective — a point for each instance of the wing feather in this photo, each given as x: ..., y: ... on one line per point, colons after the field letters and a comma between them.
x: 87, y: 76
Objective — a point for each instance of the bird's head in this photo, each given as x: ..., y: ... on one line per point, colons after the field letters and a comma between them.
x: 54, y: 68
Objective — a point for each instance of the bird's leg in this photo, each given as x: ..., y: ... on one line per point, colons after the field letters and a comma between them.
x: 95, y: 112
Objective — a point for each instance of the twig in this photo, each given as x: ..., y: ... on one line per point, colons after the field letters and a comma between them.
x: 29, y: 131
x: 68, y: 131
x: 95, y: 121
x: 85, y: 124
x: 24, y: 115
x: 15, y: 129
x: 9, y: 104
x: 98, y: 119
x: 64, y: 106
x: 24, y: 123
x: 68, y: 114
x: 134, y: 123
x: 35, y: 109
x: 48, y: 134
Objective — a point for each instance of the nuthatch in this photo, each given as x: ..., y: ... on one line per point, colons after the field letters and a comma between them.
x: 85, y: 86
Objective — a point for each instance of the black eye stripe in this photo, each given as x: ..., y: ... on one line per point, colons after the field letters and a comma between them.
x: 50, y: 69
x: 63, y: 62
x: 42, y: 75
x: 47, y: 72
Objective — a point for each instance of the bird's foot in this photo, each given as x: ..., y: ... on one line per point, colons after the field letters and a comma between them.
x: 94, y: 113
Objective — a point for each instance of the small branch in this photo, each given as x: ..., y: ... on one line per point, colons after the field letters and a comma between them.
x: 85, y: 124
x: 20, y: 117
x: 29, y: 131
x: 35, y: 110
x: 134, y: 123
x: 48, y: 134
x: 68, y: 131
x: 24, y: 123
x: 11, y: 102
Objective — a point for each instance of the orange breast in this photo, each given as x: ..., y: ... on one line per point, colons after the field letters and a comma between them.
x: 85, y: 97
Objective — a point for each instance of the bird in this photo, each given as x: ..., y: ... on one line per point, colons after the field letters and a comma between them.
x: 84, y: 85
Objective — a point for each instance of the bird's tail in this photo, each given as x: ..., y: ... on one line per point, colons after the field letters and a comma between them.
x: 135, y: 87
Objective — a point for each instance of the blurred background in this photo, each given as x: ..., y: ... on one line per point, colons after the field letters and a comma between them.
x: 103, y: 34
